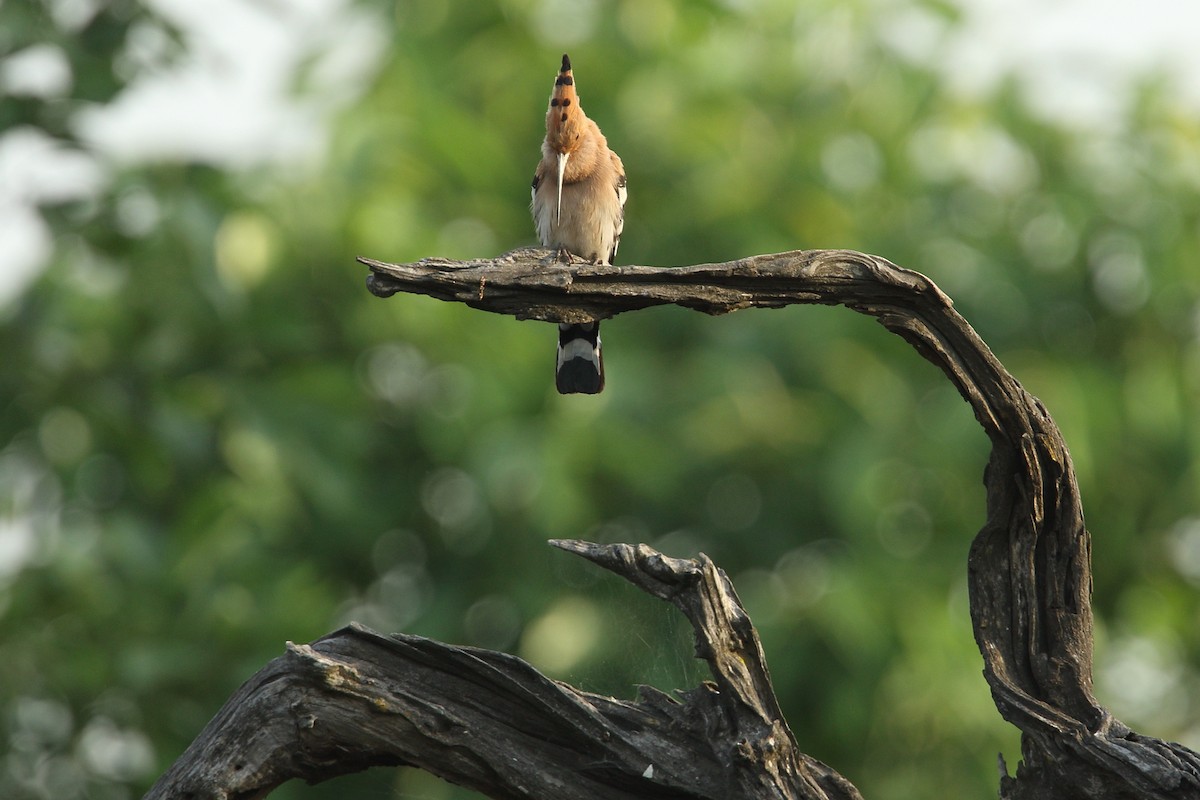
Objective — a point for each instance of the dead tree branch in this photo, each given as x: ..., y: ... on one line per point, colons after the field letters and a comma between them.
x: 489, y: 721
x: 1030, y: 565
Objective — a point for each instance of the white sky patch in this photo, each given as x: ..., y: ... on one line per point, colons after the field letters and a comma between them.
x: 25, y: 247
x: 18, y: 544
x: 71, y: 15
x: 257, y: 84
x: 35, y: 169
x: 233, y: 98
x: 39, y: 71
x: 1076, y: 60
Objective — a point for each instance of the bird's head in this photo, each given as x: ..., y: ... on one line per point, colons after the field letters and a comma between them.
x: 565, y: 122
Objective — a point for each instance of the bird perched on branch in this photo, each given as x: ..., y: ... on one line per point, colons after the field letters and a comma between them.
x: 579, y: 209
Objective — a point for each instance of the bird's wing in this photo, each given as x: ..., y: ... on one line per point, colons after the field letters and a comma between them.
x: 622, y: 195
x: 533, y: 187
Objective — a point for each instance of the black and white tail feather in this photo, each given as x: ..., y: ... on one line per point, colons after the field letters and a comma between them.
x: 580, y: 367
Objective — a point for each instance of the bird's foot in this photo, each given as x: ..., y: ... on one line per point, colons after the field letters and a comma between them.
x: 564, y: 256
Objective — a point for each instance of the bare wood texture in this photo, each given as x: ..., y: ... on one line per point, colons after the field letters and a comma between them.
x: 1030, y: 565
x: 533, y: 284
x: 490, y: 722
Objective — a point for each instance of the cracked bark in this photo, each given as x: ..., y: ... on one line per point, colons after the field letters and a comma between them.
x: 489, y: 721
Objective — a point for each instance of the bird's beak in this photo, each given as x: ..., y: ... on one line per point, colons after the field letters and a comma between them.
x: 562, y: 167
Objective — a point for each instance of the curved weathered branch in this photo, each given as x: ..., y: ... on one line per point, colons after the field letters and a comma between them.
x: 1030, y: 565
x: 532, y: 283
x: 491, y: 722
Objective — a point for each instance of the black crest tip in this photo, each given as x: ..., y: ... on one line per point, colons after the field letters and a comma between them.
x: 566, y: 65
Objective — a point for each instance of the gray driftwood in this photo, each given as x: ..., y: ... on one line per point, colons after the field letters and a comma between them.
x: 487, y: 720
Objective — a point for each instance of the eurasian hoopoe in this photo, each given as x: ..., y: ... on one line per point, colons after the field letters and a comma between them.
x: 579, y: 208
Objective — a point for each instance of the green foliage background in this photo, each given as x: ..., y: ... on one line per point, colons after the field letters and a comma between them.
x: 222, y: 442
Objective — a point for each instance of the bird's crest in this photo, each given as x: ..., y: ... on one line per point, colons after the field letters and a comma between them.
x: 565, y: 125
